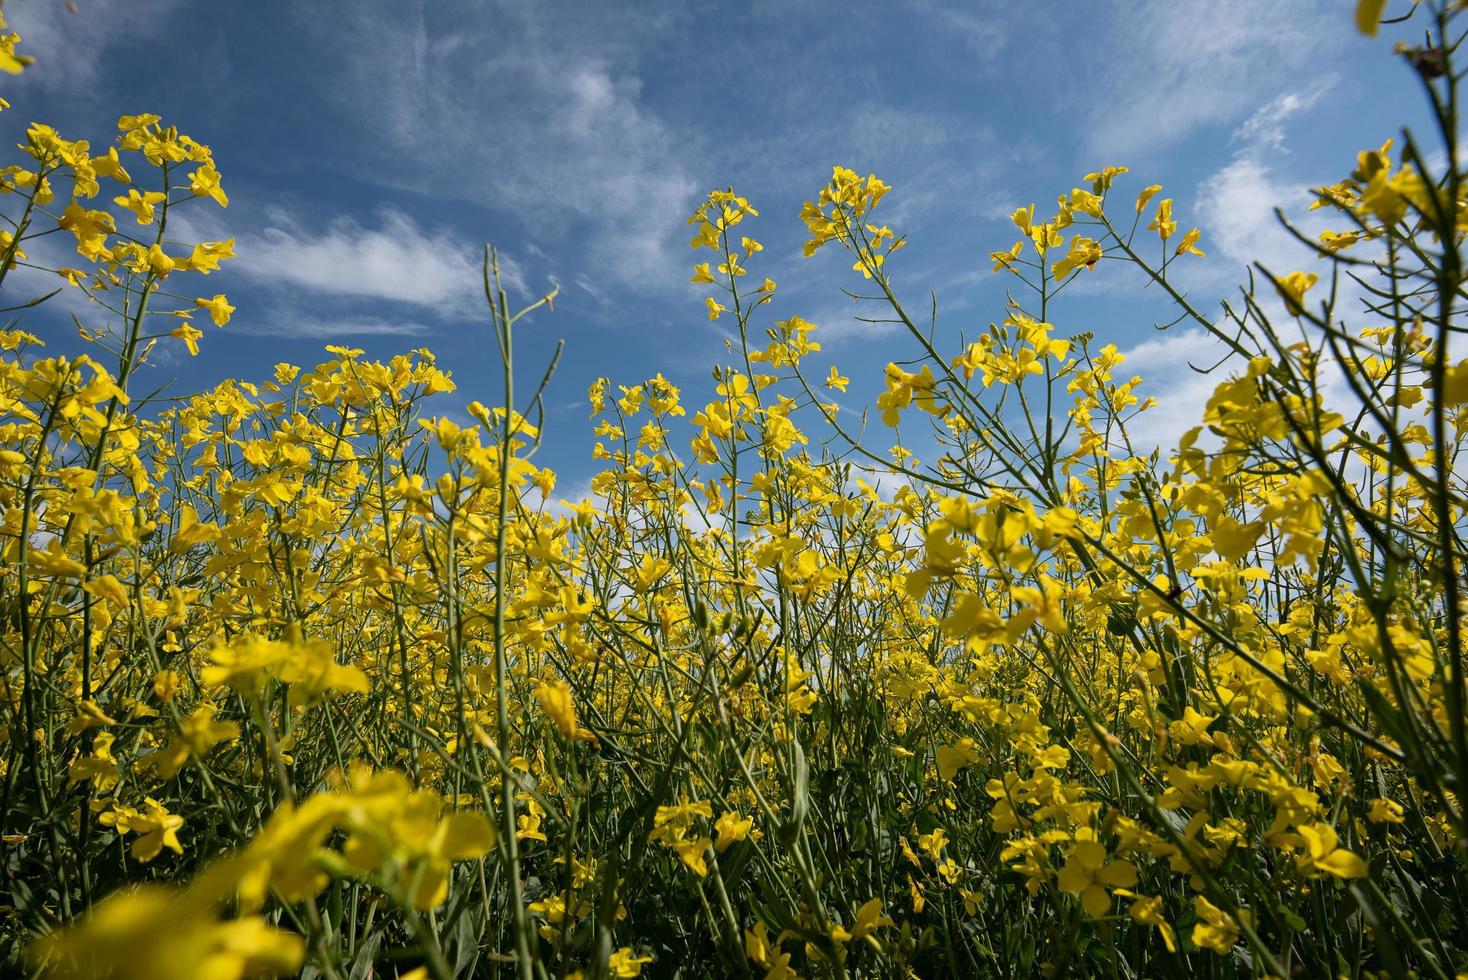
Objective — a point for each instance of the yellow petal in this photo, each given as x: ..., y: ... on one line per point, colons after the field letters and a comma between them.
x: 1368, y: 16
x: 465, y: 835
x: 1343, y: 864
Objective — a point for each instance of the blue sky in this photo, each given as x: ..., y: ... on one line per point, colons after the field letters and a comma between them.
x: 368, y: 153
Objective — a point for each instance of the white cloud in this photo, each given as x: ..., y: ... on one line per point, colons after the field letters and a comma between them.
x: 1175, y: 67
x: 983, y: 33
x: 521, y: 111
x: 1236, y: 206
x: 396, y: 260
x: 839, y: 324
x: 1166, y: 364
x: 1265, y: 128
x: 26, y: 283
x: 886, y: 482
x: 591, y: 289
x: 70, y: 40
x: 1237, y: 202
x: 347, y: 327
x: 853, y: 329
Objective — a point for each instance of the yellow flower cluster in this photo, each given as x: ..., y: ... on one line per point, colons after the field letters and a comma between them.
x: 302, y: 673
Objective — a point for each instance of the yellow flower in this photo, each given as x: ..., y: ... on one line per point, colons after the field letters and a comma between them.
x: 555, y: 701
x: 1045, y: 237
x: 1216, y: 929
x: 141, y: 205
x: 100, y: 767
x: 10, y: 61
x: 155, y: 933
x: 1385, y: 811
x: 204, y: 182
x: 919, y: 900
x: 933, y: 843
x: 1387, y: 195
x: 190, y: 335
x: 707, y: 236
x: 1293, y: 287
x: 207, y: 255
x: 528, y: 827
x: 1024, y: 218
x: 1455, y: 385
x: 198, y: 733
x: 1368, y: 16
x: 1083, y: 251
x: 1147, y: 911
x: 1233, y: 540
x: 952, y: 758
x: 1086, y: 872
x: 1321, y: 856
x: 155, y: 826
x: 868, y: 919
x: 1101, y: 180
x: 160, y: 264
x: 693, y: 854
x: 624, y: 963
x: 1083, y: 201
x: 1162, y: 221
x: 251, y: 662
x: 731, y: 828
x: 218, y: 307
x: 88, y: 715
x: 1005, y: 259
x: 91, y: 229
x: 110, y: 165
x: 1189, y: 243
x: 390, y: 823
x: 757, y: 945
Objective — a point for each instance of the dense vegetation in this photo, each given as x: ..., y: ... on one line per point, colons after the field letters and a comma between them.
x: 299, y: 675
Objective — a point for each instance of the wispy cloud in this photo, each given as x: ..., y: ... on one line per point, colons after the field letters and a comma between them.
x: 1175, y: 67
x: 309, y: 327
x: 1237, y: 209
x: 1237, y: 202
x: 600, y: 148
x: 395, y: 259
x: 1237, y: 206
x: 575, y: 148
x: 70, y: 41
x: 982, y: 31
x: 1171, y: 366
x: 841, y: 323
x: 1266, y: 127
